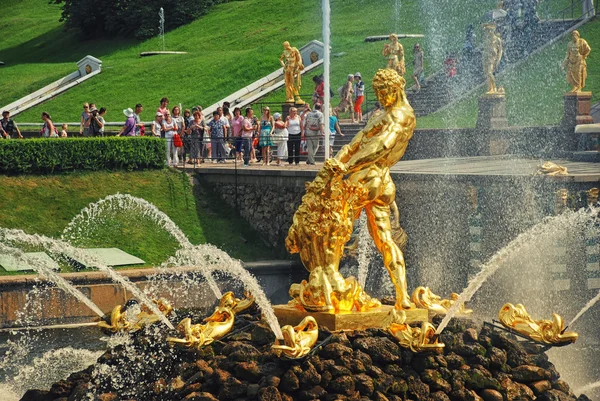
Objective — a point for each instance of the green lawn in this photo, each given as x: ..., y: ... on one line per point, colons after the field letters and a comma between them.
x: 46, y: 204
x: 235, y: 44
x: 534, y: 90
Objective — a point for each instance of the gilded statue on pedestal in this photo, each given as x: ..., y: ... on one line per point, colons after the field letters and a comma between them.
x: 291, y: 61
x: 550, y: 332
x: 574, y: 62
x: 492, y: 54
x: 298, y: 340
x: 357, y: 178
x: 394, y: 52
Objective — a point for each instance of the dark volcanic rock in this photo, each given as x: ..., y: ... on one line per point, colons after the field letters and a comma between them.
x: 555, y: 395
x: 435, y: 381
x: 540, y: 387
x: 261, y: 334
x: 342, y: 385
x: 529, y: 373
x: 335, y: 350
x: 289, y: 382
x: 417, y: 390
x: 438, y: 396
x: 364, y: 384
x: 309, y: 377
x: 517, y: 391
x: 201, y: 396
x: 491, y: 395
x: 380, y: 349
x: 37, y: 395
x: 269, y: 393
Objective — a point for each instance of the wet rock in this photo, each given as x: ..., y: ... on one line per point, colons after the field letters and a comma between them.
x: 555, y: 395
x: 249, y: 371
x: 204, y: 368
x: 364, y: 358
x: 192, y: 388
x: 342, y: 385
x: 470, y: 336
x: 252, y: 390
x: 337, y: 371
x: 491, y: 395
x: 200, y: 396
x: 261, y: 334
x: 441, y: 361
x: 383, y: 382
x: 540, y: 387
x: 454, y: 361
x: 561, y: 385
x: 159, y: 386
x: 314, y: 393
x: 79, y: 392
x: 269, y: 381
x: 479, y: 379
x: 583, y: 397
x: 470, y: 350
x: 438, y: 396
x: 399, y: 386
x: 232, y: 388
x: 463, y: 394
x: 435, y: 381
x: 380, y: 349
x: 340, y: 338
x: 62, y: 388
x: 422, y: 362
x: 269, y: 393
x: 394, y: 370
x: 497, y: 357
x: 335, y: 350
x: 289, y: 382
x: 479, y: 360
x: 517, y: 391
x: 364, y: 384
x: 417, y: 390
x: 515, y: 353
x: 529, y: 373
x: 309, y: 377
x: 379, y: 396
x: 326, y: 377
x: 240, y: 352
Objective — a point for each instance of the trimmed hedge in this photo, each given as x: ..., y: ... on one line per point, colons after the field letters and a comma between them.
x: 50, y: 155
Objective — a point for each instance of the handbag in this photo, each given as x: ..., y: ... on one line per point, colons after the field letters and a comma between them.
x: 177, y: 142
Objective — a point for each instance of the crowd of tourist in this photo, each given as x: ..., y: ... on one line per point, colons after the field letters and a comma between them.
x: 229, y: 134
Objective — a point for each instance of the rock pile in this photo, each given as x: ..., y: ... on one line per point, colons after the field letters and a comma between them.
x: 476, y: 365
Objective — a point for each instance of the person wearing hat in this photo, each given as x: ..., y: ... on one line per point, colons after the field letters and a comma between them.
x: 157, y: 124
x: 129, y: 127
x: 359, y: 93
x: 8, y: 126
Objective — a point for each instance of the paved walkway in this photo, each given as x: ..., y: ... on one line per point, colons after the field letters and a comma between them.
x: 464, y: 166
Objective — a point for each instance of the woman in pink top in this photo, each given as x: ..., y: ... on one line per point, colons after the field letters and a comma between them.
x: 236, y: 129
x: 164, y: 107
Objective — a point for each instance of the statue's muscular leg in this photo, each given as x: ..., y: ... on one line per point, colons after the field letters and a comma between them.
x: 378, y: 218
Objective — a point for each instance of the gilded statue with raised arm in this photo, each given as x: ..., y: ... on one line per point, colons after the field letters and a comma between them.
x: 291, y: 61
x: 394, y: 52
x: 574, y: 62
x: 357, y: 178
x: 492, y: 54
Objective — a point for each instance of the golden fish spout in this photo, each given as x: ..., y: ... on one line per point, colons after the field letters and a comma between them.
x: 424, y: 298
x: 215, y: 326
x: 551, y: 332
x: 416, y: 339
x: 127, y: 321
x: 298, y: 340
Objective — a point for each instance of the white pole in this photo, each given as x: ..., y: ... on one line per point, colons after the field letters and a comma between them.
x: 326, y: 97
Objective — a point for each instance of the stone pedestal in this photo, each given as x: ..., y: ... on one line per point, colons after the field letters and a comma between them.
x: 492, y: 112
x: 346, y: 321
x: 285, y: 109
x: 577, y: 109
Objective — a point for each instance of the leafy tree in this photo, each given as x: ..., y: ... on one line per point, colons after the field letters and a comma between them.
x: 126, y: 18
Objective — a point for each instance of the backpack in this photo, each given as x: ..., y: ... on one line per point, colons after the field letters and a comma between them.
x: 313, y: 122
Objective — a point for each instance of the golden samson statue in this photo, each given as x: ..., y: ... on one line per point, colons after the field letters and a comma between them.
x: 574, y: 62
x: 357, y: 178
x: 291, y: 61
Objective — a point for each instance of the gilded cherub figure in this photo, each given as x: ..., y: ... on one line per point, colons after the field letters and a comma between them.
x: 574, y: 63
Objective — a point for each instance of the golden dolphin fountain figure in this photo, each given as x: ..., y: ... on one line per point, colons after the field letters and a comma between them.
x: 298, y: 340
x: 215, y: 326
x: 424, y: 298
x: 123, y: 320
x: 516, y: 318
x: 416, y: 339
x: 357, y: 178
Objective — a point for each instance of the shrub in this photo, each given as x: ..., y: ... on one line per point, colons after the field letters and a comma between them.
x: 56, y: 155
x: 137, y: 18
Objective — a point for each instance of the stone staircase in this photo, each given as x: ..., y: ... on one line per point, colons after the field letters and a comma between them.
x: 349, y: 130
x: 438, y: 90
